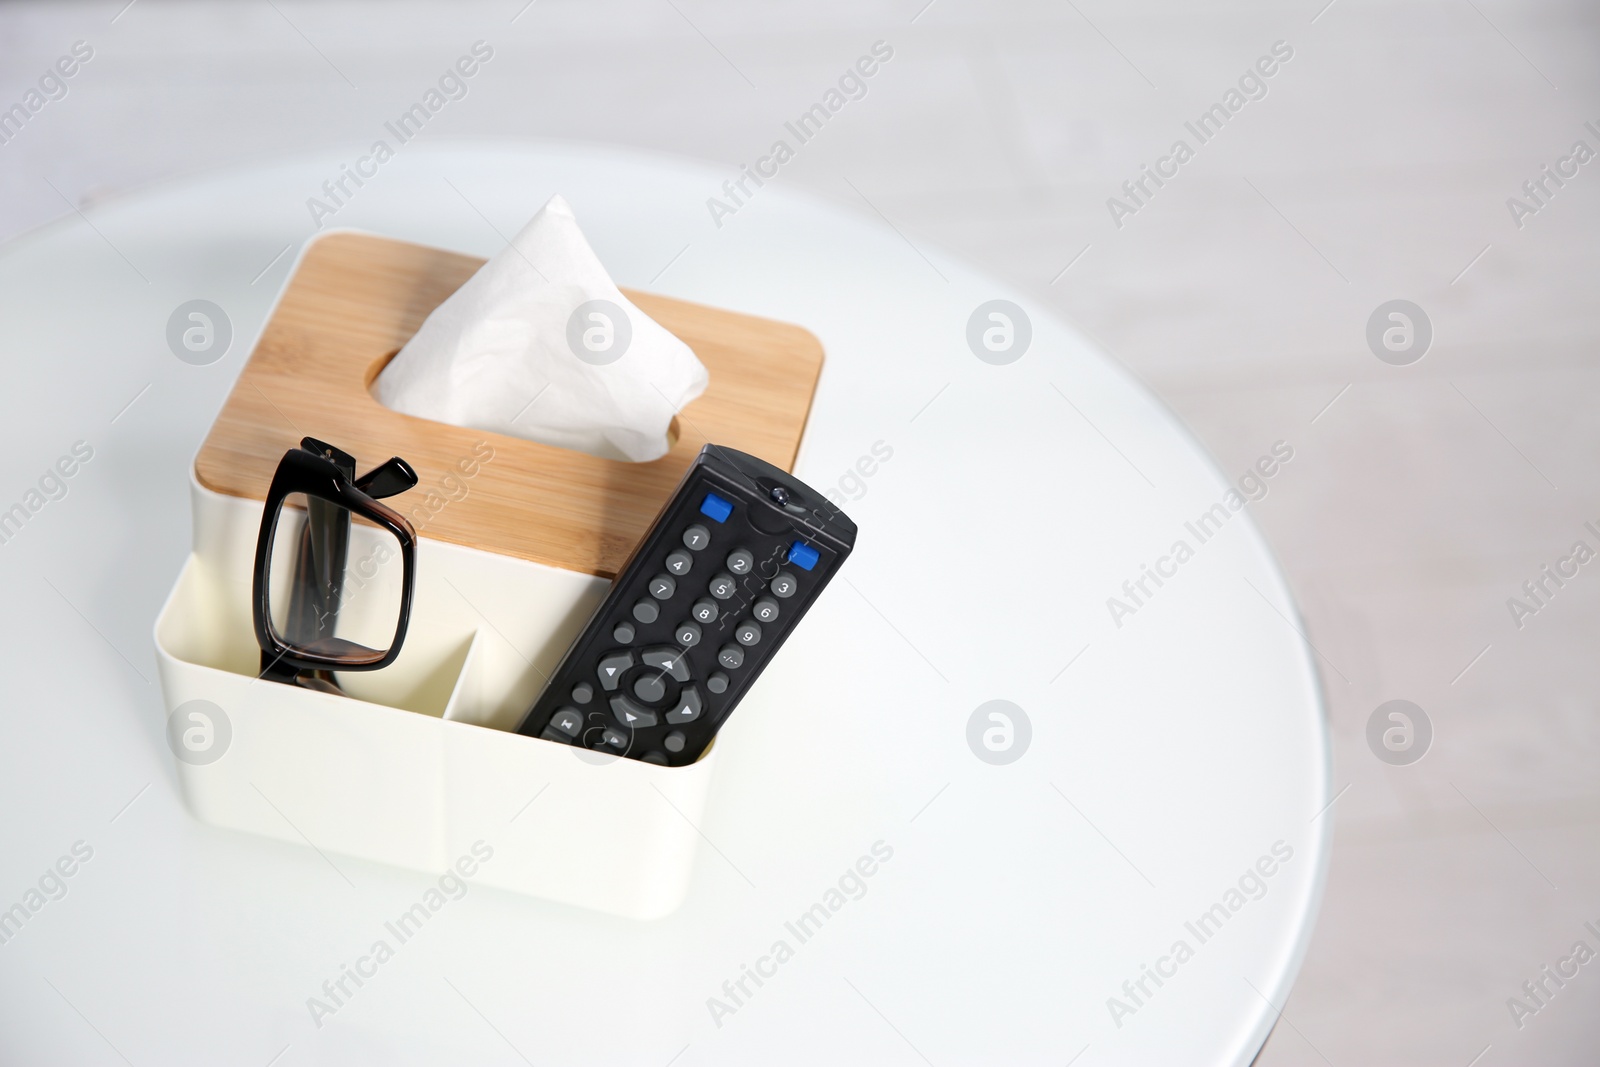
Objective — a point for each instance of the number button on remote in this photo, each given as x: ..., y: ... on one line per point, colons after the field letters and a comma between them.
x: 765, y: 609
x: 679, y: 562
x: 687, y: 634
x: 723, y: 586
x: 740, y: 561
x: 704, y: 611
x: 748, y: 634
x: 731, y: 656
x: 662, y: 587
x: 611, y: 668
x: 696, y: 537
x: 784, y: 585
x: 689, y: 706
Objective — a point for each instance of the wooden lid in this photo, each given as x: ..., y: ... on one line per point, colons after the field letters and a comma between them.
x: 357, y: 298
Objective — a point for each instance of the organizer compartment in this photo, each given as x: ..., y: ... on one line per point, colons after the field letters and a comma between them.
x: 418, y: 763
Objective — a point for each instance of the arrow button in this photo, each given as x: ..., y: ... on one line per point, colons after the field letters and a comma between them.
x: 671, y: 660
x: 689, y: 706
x: 630, y: 714
x: 611, y: 667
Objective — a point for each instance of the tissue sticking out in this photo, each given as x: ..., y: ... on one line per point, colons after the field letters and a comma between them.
x: 540, y: 344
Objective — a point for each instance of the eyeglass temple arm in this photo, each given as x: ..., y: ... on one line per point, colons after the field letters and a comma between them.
x: 388, y: 479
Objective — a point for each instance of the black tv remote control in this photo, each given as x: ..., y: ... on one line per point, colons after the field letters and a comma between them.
x: 731, y: 565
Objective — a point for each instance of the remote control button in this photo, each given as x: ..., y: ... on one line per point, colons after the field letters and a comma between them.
x: 740, y: 561
x: 784, y: 585
x: 611, y: 738
x: 689, y: 706
x: 748, y: 633
x: 803, y: 555
x: 568, y: 720
x: 654, y: 757
x: 611, y: 668
x: 717, y: 683
x: 550, y: 733
x: 670, y: 660
x: 623, y: 633
x: 687, y: 634
x: 583, y: 692
x: 630, y: 714
x: 765, y: 609
x: 704, y: 610
x: 650, y: 689
x: 696, y: 537
x: 731, y: 656
x: 723, y: 586
x: 716, y: 507
x: 646, y: 611
x: 674, y: 741
x: 679, y: 562
x: 662, y: 587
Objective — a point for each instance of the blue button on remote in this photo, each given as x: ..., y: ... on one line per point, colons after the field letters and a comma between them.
x: 716, y: 507
x: 803, y: 555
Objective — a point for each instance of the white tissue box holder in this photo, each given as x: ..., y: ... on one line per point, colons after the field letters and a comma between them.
x: 418, y: 762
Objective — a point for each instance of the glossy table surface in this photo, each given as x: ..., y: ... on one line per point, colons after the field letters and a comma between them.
x: 1164, y: 813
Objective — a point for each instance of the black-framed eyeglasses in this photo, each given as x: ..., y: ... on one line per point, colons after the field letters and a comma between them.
x: 334, y: 568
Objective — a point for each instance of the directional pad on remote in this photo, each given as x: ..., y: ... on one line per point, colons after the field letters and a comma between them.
x: 688, y: 708
x: 650, y: 688
x: 631, y: 714
x: 671, y: 660
x: 611, y: 667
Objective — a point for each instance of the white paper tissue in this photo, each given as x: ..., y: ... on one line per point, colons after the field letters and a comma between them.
x: 540, y: 344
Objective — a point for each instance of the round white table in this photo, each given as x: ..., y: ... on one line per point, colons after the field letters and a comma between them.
x: 1125, y: 870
